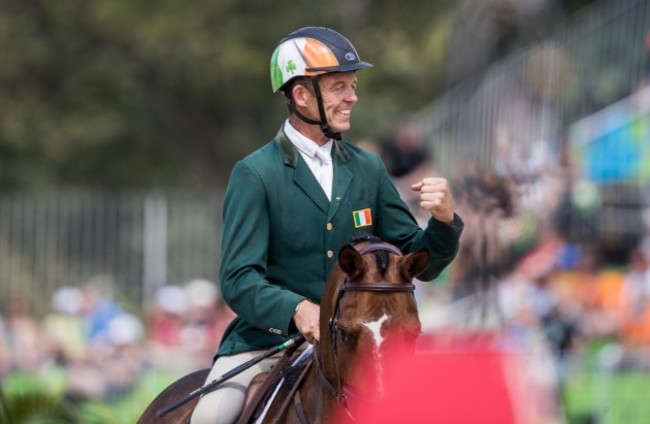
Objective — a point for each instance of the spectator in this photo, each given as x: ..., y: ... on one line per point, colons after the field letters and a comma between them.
x: 636, y: 300
x: 26, y: 343
x: 166, y: 322
x: 407, y: 161
x: 207, y: 319
x: 407, y: 151
x: 5, y: 359
x: 99, y: 310
x: 124, y: 362
x: 64, y: 326
x: 166, y: 318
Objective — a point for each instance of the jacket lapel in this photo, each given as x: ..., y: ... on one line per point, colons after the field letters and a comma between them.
x: 303, y: 176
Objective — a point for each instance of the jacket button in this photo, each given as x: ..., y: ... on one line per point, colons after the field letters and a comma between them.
x: 329, y: 226
x: 330, y: 254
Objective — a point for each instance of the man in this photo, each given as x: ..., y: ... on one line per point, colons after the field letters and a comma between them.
x: 292, y: 204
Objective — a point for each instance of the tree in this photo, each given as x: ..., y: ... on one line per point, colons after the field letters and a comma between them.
x: 119, y: 94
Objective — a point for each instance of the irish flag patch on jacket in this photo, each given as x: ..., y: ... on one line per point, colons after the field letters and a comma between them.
x: 362, y: 218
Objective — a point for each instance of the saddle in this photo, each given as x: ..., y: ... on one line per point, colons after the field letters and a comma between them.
x: 278, y: 387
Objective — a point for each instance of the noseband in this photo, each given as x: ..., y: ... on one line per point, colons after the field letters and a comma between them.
x: 342, y: 391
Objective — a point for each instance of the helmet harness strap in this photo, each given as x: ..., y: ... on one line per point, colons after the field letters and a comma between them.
x: 324, y: 126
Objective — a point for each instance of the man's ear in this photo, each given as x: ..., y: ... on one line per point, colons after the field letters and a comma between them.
x: 300, y: 95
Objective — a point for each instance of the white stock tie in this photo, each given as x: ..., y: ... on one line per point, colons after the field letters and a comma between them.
x: 326, y: 173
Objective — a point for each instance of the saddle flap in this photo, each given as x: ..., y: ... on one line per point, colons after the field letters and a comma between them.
x: 254, y: 387
x: 287, y: 372
x: 289, y: 392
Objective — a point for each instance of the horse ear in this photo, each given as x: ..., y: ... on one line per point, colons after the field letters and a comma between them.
x: 350, y: 261
x: 414, y: 264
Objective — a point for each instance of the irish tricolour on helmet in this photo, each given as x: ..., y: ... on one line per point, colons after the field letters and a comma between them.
x: 312, y: 51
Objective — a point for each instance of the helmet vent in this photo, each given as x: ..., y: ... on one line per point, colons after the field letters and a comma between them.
x: 350, y: 56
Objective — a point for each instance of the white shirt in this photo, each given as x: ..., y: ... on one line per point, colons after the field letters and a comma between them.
x: 318, y: 158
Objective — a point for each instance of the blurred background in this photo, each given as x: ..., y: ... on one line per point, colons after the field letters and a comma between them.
x: 120, y: 121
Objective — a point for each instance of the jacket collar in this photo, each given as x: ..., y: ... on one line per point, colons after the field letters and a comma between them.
x: 306, y: 181
x: 290, y: 153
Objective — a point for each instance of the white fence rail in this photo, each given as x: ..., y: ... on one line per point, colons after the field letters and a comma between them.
x: 127, y: 243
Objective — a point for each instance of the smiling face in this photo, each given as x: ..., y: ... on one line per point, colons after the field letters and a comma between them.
x: 338, y: 92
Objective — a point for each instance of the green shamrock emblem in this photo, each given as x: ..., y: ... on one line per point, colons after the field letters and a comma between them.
x: 291, y: 66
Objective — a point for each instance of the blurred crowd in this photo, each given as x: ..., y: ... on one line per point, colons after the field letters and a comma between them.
x: 530, y: 256
x: 103, y: 348
x: 564, y: 290
x: 517, y: 256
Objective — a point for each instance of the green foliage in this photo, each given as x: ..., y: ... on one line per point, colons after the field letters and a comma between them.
x: 141, y: 94
x: 35, y: 407
x: 26, y: 399
x: 121, y: 94
x: 616, y: 398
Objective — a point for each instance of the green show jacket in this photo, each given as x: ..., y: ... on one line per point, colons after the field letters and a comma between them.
x: 281, y: 235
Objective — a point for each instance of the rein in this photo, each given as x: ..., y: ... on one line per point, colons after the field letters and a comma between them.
x: 341, y: 391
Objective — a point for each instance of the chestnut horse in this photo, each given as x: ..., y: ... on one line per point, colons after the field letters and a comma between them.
x: 368, y: 310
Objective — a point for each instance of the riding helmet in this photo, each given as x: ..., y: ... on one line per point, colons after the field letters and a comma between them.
x: 312, y: 51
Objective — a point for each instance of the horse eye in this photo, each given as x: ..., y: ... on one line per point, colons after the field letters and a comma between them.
x: 346, y: 336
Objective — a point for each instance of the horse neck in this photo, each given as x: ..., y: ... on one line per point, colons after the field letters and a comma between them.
x: 327, y: 405
x: 323, y: 405
x: 319, y: 404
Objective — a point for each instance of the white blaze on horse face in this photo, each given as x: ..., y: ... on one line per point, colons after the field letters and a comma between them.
x: 375, y: 330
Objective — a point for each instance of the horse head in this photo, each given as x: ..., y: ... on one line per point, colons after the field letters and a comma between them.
x: 368, y: 312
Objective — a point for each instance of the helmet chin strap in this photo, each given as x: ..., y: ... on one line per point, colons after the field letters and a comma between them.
x: 324, y: 126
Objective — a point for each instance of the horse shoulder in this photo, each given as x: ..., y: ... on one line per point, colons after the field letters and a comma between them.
x: 172, y: 393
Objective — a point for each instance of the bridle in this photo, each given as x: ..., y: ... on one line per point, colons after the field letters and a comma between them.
x: 340, y: 390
